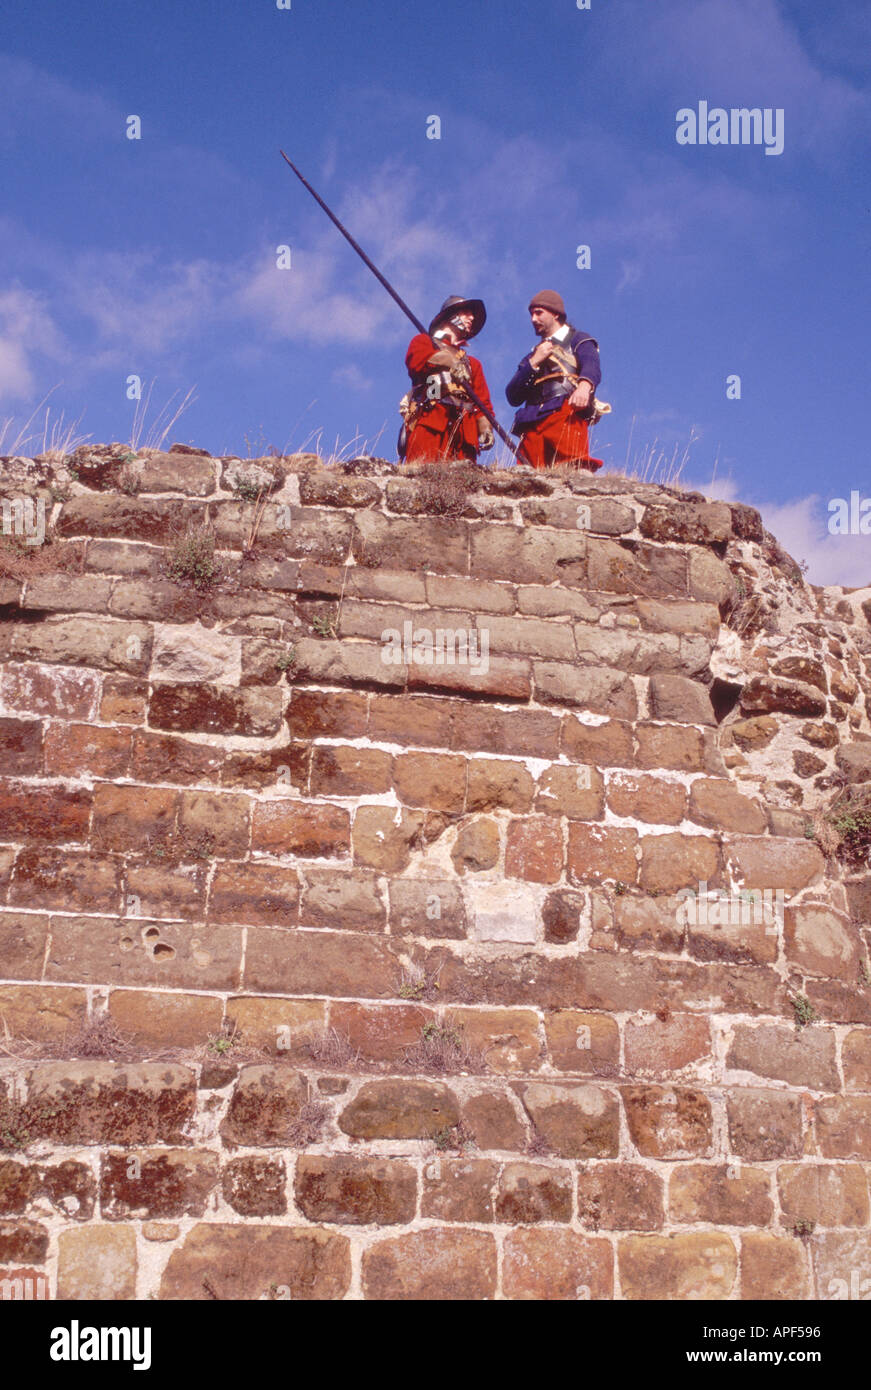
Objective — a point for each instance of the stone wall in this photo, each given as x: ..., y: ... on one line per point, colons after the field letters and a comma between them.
x: 328, y: 975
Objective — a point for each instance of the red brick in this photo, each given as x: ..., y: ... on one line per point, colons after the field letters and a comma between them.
x: 669, y: 1122
x: 437, y: 1264
x: 259, y: 894
x: 734, y: 926
x: 844, y: 1126
x: 577, y: 792
x: 410, y: 719
x: 136, y: 951
x: 32, y: 813
x: 355, y: 1191
x: 764, y: 1124
x: 721, y: 806
x: 42, y: 1013
x: 597, y: 854
x: 384, y: 839
x: 401, y: 1109
x: 534, y: 850
x: 23, y: 1240
x: 561, y: 916
x: 531, y: 1192
x: 255, y: 1186
x: 576, y: 1121
x: 779, y: 1052
x: 499, y: 784
x: 341, y: 771
x: 282, y: 1027
x: 670, y: 862
x: 124, y: 700
x: 584, y: 1043
x: 856, y: 1056
x: 349, y: 900
x: 426, y: 907
x: 149, y: 1017
x: 650, y: 799
x: 278, y: 769
x: 720, y: 1195
x: 826, y: 1194
x: 660, y: 1048
x: 671, y: 746
x: 550, y: 1265
x: 164, y: 758
x: 21, y: 747
x: 651, y: 923
x: 249, y: 1262
x: 822, y: 942
x: 506, y: 678
x: 773, y: 1267
x: 171, y: 1183
x: 431, y: 779
x: 110, y: 1103
x: 494, y: 1121
x: 305, y: 828
x: 79, y: 882
x: 608, y: 744
x: 684, y: 1267
x: 252, y: 712
x: 220, y: 816
x: 327, y: 714
x: 775, y: 861
x: 458, y: 1189
x: 620, y: 1197
x: 483, y: 729
x: 337, y: 964
x: 22, y: 944
x: 596, y: 980
x: 381, y: 1032
x: 507, y: 1038
x: 62, y: 693
x: 265, y: 1107
x: 74, y: 749
x: 177, y: 891
x: 127, y: 817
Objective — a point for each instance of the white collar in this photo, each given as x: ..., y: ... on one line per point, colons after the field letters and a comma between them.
x: 560, y: 334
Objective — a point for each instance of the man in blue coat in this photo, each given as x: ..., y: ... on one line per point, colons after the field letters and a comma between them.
x: 555, y: 388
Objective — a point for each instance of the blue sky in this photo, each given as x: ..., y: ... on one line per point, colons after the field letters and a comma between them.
x: 157, y: 256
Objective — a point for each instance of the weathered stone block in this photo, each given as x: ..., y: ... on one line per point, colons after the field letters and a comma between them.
x: 677, y: 1266
x: 356, y: 1191
x: 435, y: 1264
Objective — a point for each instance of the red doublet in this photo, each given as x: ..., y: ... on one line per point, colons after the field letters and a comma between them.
x: 441, y: 431
x: 561, y: 437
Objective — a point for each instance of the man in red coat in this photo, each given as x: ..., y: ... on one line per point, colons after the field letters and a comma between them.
x: 440, y: 420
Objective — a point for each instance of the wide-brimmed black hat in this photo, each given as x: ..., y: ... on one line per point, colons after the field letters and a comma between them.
x: 455, y: 304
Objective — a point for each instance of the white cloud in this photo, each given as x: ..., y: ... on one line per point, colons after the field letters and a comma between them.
x: 352, y: 378
x: 801, y: 527
x: 27, y: 330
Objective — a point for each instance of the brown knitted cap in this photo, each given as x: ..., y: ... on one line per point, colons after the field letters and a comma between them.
x: 548, y: 299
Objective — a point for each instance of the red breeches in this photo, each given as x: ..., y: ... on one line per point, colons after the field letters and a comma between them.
x: 561, y: 437
x: 437, y: 436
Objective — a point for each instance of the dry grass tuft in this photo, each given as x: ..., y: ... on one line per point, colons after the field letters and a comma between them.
x: 18, y: 560
x: 444, y: 488
x: 100, y: 1037
x: 308, y: 1125
x: 331, y: 1049
x: 442, y: 1050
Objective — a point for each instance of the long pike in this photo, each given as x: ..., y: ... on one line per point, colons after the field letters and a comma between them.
x: 401, y: 302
